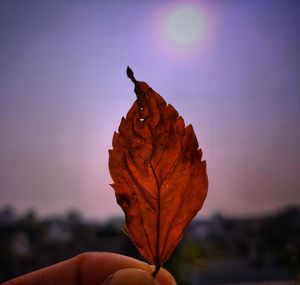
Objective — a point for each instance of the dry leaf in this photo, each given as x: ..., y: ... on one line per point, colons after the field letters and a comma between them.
x: 159, y: 179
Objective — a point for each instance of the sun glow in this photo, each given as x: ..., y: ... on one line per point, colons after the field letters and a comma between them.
x: 182, y: 30
x: 184, y: 25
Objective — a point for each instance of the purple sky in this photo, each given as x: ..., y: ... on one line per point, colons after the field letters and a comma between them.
x: 63, y: 90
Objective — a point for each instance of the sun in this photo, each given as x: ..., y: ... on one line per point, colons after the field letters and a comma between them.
x: 184, y: 25
x: 182, y: 30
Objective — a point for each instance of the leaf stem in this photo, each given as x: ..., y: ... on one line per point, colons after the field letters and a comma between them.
x: 157, y: 267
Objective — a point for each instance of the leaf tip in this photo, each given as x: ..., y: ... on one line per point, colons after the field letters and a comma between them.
x: 130, y: 74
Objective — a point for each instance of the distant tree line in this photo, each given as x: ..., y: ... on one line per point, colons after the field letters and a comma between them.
x: 256, y: 249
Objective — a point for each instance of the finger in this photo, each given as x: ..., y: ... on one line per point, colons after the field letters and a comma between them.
x: 97, y: 266
x: 65, y: 272
x: 88, y: 268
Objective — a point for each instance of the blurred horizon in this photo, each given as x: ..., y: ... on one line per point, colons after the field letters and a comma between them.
x: 230, y: 68
x: 218, y: 250
x: 12, y: 212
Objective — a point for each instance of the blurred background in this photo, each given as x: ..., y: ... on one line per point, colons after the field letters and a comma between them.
x: 230, y: 68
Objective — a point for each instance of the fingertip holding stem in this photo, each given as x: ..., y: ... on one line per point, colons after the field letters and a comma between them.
x: 140, y: 276
x: 130, y: 276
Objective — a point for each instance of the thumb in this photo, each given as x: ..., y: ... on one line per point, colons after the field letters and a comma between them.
x: 135, y: 276
x: 116, y: 269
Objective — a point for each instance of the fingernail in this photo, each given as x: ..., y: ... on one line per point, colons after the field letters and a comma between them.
x: 130, y: 276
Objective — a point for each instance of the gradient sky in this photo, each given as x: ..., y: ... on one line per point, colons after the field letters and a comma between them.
x: 63, y: 91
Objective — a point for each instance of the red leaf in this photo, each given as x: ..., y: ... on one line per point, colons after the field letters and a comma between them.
x: 159, y: 179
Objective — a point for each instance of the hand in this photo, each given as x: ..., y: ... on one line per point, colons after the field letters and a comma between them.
x: 87, y: 269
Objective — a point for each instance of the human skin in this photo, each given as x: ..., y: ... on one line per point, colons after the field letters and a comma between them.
x: 90, y: 268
